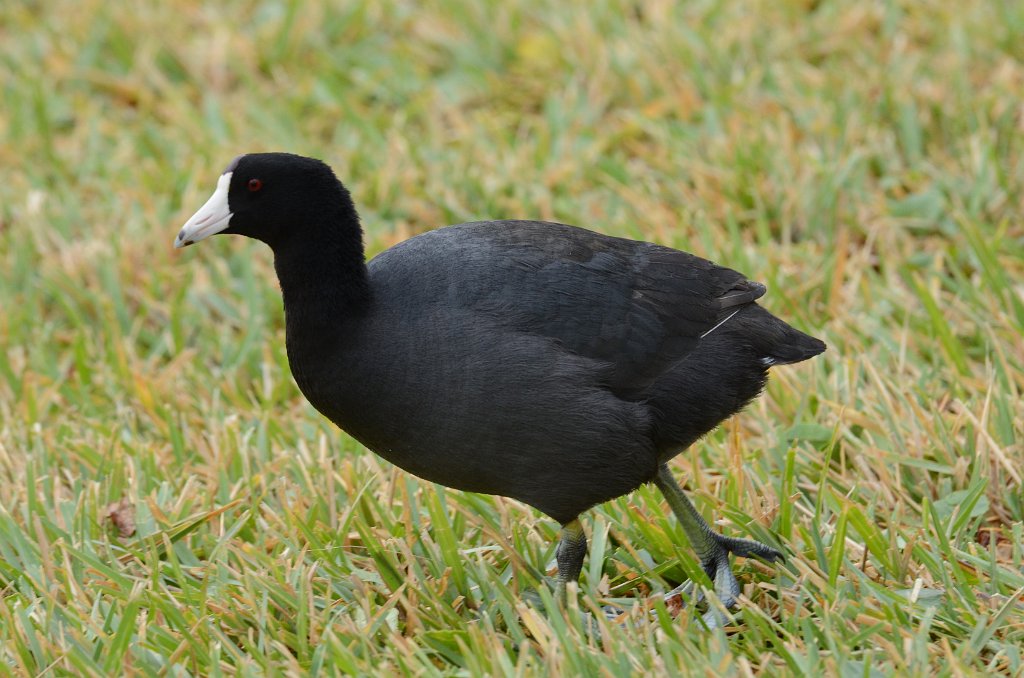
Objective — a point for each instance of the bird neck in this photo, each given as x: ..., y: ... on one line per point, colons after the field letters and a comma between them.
x: 323, y: 275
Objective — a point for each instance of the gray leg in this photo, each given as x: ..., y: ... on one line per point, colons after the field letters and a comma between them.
x: 712, y: 548
x: 572, y: 548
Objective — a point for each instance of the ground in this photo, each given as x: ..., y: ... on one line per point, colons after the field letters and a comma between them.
x: 169, y: 502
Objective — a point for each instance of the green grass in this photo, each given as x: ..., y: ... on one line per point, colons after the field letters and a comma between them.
x: 864, y: 160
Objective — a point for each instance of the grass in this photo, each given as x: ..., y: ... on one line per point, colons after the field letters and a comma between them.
x: 864, y: 160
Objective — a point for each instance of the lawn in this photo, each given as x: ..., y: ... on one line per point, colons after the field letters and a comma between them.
x: 171, y: 505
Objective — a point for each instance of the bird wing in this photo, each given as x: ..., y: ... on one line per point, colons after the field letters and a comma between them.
x: 635, y: 306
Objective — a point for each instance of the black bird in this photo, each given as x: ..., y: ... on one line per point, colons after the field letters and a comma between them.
x: 533, y: 360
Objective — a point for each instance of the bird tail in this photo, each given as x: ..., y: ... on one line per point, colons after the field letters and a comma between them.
x: 776, y: 341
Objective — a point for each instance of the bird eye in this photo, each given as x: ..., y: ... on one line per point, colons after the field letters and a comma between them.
x: 255, y: 185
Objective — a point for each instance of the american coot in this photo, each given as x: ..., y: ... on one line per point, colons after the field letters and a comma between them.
x: 532, y: 360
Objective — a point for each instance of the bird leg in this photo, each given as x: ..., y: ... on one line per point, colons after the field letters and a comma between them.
x: 572, y: 548
x: 712, y: 548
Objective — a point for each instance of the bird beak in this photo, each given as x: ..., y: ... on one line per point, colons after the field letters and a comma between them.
x: 213, y: 217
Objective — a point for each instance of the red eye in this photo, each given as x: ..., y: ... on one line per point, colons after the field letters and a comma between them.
x: 255, y: 185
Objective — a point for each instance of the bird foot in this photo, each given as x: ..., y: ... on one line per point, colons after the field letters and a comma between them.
x: 716, y: 565
x: 559, y: 594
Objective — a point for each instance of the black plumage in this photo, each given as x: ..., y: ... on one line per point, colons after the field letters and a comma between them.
x: 533, y: 360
